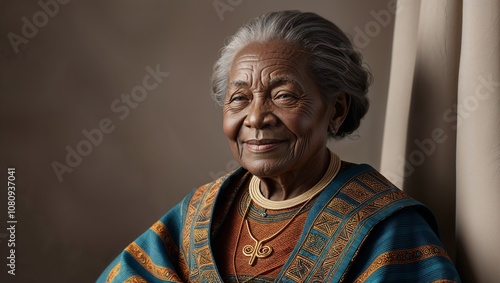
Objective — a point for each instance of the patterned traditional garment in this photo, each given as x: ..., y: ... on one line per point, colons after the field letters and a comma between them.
x: 359, y: 229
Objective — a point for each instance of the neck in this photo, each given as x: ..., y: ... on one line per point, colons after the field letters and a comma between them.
x: 297, y: 182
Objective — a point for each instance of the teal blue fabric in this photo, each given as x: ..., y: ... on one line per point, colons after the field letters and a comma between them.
x: 405, y: 230
x: 379, y: 235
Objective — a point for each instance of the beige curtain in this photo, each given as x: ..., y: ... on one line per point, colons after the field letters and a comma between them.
x: 442, y: 130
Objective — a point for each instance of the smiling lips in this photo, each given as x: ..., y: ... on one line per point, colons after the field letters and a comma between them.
x: 262, y: 145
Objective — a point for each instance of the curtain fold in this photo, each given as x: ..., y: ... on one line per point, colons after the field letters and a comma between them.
x: 442, y: 128
x: 419, y: 138
x: 404, y: 52
x: 478, y: 143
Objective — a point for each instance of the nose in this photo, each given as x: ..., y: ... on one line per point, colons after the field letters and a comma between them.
x: 260, y: 115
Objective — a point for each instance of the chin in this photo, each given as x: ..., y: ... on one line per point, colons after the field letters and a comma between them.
x: 264, y: 168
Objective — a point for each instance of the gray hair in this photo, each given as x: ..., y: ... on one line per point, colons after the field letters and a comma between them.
x: 335, y: 65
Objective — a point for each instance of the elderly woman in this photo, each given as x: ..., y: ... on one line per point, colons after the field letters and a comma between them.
x: 293, y: 212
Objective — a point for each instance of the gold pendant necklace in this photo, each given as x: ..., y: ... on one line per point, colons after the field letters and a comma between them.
x: 258, y: 249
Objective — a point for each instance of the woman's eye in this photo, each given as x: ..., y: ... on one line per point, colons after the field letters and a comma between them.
x: 285, y: 95
x: 238, y: 98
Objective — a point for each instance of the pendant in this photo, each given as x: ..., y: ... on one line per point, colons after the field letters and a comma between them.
x: 257, y: 250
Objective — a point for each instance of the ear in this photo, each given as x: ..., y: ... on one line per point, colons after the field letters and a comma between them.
x: 342, y: 102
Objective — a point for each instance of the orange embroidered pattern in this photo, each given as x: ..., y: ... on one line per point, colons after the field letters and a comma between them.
x: 403, y: 257
x: 135, y: 279
x: 197, y: 223
x: 341, y: 242
x: 112, y: 274
x: 161, y: 230
x: 142, y: 258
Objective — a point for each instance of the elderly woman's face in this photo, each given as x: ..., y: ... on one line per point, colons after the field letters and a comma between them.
x: 274, y: 115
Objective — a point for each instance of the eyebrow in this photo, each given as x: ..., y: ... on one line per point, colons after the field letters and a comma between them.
x: 283, y: 80
x: 272, y: 83
x: 239, y: 83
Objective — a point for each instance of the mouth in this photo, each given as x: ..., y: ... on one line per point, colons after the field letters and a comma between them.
x: 262, y: 145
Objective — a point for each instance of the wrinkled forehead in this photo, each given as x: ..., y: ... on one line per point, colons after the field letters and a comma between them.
x: 269, y: 59
x: 272, y: 49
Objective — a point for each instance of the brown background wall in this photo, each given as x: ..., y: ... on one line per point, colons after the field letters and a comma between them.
x: 64, y: 80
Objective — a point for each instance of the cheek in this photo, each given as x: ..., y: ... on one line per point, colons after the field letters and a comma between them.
x: 231, y: 125
x: 299, y: 125
x: 306, y: 127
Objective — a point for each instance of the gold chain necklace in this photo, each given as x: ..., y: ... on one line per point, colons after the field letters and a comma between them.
x: 258, y: 249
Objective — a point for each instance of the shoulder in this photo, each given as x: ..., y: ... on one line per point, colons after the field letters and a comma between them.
x: 371, y: 194
x: 404, y: 209
x: 164, y: 242
x: 403, y: 248
x: 403, y: 243
x: 396, y: 209
x: 412, y: 223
